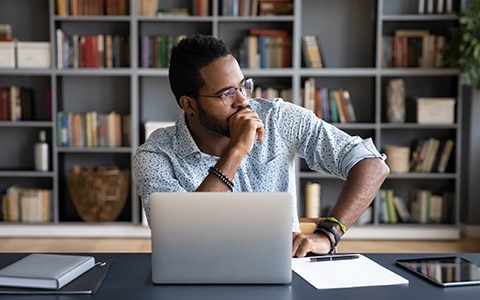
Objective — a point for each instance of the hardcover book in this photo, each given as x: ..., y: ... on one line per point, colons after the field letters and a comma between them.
x: 311, y: 52
x: 46, y: 271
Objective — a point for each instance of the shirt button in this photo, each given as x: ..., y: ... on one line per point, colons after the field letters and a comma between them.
x: 198, y: 156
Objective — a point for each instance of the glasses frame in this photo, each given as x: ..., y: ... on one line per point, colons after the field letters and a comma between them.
x: 232, y: 92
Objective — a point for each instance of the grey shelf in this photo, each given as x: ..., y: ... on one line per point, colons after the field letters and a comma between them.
x: 350, y: 33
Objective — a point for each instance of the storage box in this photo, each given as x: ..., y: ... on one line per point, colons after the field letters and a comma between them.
x: 33, y: 55
x: 7, y: 55
x: 435, y: 110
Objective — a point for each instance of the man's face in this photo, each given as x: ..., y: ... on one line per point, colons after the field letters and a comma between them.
x: 211, y: 122
x: 222, y: 74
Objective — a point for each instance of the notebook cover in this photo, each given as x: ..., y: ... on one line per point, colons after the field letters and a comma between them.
x: 88, y: 283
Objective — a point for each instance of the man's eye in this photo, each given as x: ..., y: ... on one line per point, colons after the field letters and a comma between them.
x: 229, y: 92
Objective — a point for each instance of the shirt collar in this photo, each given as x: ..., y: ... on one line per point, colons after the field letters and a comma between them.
x: 183, y: 140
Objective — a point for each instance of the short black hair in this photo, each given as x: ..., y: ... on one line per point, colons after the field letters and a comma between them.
x: 187, y: 58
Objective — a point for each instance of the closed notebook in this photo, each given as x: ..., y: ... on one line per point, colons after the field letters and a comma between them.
x: 47, y: 271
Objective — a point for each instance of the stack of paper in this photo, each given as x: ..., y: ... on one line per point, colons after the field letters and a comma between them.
x: 348, y: 273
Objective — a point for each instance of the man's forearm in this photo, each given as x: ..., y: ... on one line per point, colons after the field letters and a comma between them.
x: 360, y: 189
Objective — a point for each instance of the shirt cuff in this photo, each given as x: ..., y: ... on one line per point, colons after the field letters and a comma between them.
x: 364, y: 149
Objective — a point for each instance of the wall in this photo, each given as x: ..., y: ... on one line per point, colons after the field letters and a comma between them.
x: 471, y: 157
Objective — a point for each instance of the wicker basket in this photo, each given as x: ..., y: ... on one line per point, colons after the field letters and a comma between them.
x: 99, y: 194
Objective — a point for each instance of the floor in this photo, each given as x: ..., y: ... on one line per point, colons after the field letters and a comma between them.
x: 143, y: 245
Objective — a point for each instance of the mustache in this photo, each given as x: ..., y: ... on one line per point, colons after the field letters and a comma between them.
x: 239, y: 110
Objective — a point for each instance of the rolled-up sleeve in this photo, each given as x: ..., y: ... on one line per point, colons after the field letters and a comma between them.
x: 364, y: 149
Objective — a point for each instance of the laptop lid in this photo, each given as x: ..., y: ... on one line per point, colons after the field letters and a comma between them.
x: 220, y: 238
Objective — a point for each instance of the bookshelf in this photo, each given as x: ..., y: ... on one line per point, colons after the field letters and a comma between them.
x: 350, y: 34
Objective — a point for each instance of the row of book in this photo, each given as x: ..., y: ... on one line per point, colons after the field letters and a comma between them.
x: 26, y: 205
x: 155, y: 50
x: 266, y: 48
x: 16, y: 103
x: 237, y: 8
x: 412, y: 49
x: 151, y: 8
x: 93, y: 129
x: 431, y: 155
x: 331, y: 105
x: 435, y: 6
x: 92, y: 51
x: 424, y: 207
x: 273, y: 92
x: 92, y: 7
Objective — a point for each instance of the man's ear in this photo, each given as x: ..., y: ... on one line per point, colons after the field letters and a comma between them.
x: 189, y: 105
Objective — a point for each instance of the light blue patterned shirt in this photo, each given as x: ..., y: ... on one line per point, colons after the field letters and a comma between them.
x: 170, y: 161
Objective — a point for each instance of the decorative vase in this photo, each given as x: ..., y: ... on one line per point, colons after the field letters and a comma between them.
x: 396, y: 101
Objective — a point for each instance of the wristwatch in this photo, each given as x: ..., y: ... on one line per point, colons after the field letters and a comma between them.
x: 327, y: 229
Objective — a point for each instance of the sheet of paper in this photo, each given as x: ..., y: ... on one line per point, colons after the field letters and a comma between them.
x: 350, y: 273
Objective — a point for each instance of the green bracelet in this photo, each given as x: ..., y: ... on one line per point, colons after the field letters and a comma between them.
x: 336, y: 221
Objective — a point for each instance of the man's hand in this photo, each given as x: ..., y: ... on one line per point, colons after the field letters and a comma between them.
x: 244, y: 125
x: 302, y: 244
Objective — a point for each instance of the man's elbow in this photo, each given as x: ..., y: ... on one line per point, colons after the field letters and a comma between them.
x: 383, y: 169
x: 373, y: 168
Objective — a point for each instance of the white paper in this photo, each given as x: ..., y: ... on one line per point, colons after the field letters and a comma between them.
x: 350, y: 273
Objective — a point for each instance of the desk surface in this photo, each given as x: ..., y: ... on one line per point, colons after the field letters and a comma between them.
x: 130, y: 278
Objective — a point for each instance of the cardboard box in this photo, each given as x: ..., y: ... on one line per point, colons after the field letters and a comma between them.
x: 435, y: 110
x: 33, y: 55
x: 7, y: 55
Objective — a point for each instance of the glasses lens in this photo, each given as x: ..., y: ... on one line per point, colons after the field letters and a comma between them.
x: 248, y: 87
x: 229, y: 96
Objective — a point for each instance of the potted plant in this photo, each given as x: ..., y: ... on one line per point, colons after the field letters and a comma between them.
x: 463, y: 50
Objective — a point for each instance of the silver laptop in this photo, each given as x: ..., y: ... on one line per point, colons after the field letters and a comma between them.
x: 221, y: 238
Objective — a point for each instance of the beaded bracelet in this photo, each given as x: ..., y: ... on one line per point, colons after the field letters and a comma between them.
x: 222, y: 177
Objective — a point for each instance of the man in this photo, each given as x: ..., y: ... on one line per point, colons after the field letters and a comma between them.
x: 226, y: 141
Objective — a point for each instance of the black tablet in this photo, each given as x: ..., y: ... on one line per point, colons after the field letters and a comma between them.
x: 444, y: 271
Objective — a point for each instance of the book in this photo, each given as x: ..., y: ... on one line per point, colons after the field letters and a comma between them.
x: 391, y: 214
x: 436, y: 207
x: 47, y: 271
x: 311, y: 52
x: 445, y: 155
x: 430, y: 7
x: 275, y: 7
x: 20, y: 204
x: 432, y: 149
x: 309, y: 94
x: 448, y: 6
x: 4, y: 103
x: 401, y: 209
x: 420, y: 206
x: 86, y: 284
x: 440, y: 6
x: 410, y: 48
x: 5, y: 31
x: 421, y: 7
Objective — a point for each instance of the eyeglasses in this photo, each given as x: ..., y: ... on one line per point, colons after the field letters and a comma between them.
x: 229, y: 95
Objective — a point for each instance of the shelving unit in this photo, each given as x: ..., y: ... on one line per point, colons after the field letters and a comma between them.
x: 350, y: 33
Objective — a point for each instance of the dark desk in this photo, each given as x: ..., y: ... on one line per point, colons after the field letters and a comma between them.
x: 129, y: 278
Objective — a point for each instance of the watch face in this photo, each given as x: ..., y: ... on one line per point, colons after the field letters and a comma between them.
x: 329, y: 228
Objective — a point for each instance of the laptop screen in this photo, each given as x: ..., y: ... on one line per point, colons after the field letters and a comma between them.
x: 221, y: 237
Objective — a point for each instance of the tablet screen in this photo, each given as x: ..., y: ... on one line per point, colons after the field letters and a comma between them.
x: 444, y: 271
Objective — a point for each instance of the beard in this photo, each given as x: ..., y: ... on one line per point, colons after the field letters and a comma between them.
x: 211, y: 123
